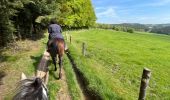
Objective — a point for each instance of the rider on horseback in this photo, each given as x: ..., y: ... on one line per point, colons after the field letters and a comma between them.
x: 54, y: 31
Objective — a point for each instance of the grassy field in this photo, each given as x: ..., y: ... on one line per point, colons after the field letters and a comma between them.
x: 25, y: 58
x: 115, y: 60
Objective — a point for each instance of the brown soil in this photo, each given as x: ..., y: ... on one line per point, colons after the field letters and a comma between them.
x: 63, y: 93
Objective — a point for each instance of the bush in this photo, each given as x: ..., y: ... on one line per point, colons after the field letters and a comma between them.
x: 117, y: 29
x: 130, y: 30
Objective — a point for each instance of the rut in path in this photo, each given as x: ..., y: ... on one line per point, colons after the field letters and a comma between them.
x: 83, y: 83
x: 63, y: 93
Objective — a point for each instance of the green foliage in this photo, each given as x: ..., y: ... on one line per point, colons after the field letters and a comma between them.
x: 130, y: 30
x: 105, y: 26
x: 26, y: 18
x: 161, y: 29
x: 76, y: 13
x: 134, y: 26
x: 6, y: 26
x: 117, y: 29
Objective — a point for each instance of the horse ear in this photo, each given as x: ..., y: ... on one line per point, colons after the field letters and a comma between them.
x: 23, y: 76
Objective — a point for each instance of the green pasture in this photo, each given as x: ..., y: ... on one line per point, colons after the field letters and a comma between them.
x: 115, y: 60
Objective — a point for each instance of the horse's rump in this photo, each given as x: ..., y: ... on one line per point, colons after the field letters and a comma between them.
x: 58, y: 46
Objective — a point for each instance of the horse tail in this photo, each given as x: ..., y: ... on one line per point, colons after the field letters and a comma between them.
x: 54, y: 49
x: 60, y: 48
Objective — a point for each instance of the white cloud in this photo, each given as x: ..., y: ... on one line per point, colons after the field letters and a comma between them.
x: 166, y: 19
x: 110, y: 12
x: 99, y: 8
x: 133, y: 13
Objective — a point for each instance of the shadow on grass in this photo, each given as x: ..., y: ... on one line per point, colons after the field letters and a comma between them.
x: 52, y: 73
x: 36, y: 61
x: 5, y: 57
x: 2, y: 74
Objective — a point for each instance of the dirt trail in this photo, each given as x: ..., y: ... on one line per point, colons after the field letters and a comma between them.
x: 63, y: 93
x: 1, y: 92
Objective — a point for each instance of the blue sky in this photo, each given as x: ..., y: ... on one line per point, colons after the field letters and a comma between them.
x: 132, y: 11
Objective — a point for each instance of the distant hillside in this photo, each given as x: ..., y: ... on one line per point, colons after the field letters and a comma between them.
x: 161, y: 29
x: 153, y: 28
x: 135, y: 26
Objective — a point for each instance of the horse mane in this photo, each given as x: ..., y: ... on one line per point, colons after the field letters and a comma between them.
x: 30, y: 89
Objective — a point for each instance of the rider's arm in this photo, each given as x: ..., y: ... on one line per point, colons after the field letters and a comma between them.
x: 60, y: 29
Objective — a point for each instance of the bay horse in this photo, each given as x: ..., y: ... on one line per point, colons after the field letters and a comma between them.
x: 31, y: 89
x: 56, y: 49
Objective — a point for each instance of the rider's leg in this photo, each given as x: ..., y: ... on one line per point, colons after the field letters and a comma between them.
x: 49, y: 44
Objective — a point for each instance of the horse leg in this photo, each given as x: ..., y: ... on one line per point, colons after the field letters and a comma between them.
x: 60, y: 65
x: 54, y: 62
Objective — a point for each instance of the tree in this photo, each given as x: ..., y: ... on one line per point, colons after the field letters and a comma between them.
x: 25, y: 18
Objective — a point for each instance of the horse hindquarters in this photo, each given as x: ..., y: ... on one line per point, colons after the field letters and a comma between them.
x: 60, y: 57
x: 53, y: 52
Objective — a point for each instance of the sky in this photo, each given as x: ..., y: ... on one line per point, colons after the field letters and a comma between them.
x: 132, y: 11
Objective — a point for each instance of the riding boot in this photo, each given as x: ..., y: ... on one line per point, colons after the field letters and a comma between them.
x: 48, y: 45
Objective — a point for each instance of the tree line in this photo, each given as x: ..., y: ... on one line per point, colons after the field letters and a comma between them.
x: 116, y: 27
x: 161, y: 29
x: 131, y: 27
x: 21, y: 19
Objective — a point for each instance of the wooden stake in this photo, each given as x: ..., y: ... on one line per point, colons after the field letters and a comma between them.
x: 66, y: 36
x: 70, y: 39
x: 46, y: 78
x: 144, y: 83
x: 84, y: 49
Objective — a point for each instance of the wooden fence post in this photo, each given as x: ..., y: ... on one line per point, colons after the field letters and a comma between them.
x: 144, y: 83
x: 70, y: 39
x: 66, y: 36
x: 84, y: 49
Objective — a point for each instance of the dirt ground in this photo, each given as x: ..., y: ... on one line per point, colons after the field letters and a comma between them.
x: 63, y: 93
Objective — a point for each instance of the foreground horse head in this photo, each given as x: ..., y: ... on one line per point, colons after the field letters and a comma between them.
x: 57, y: 48
x: 31, y: 89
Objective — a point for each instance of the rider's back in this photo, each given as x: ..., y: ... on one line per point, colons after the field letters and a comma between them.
x: 55, y: 31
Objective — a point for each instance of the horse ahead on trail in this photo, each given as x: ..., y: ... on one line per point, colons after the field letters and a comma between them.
x: 31, y: 89
x: 56, y: 44
x: 56, y: 49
